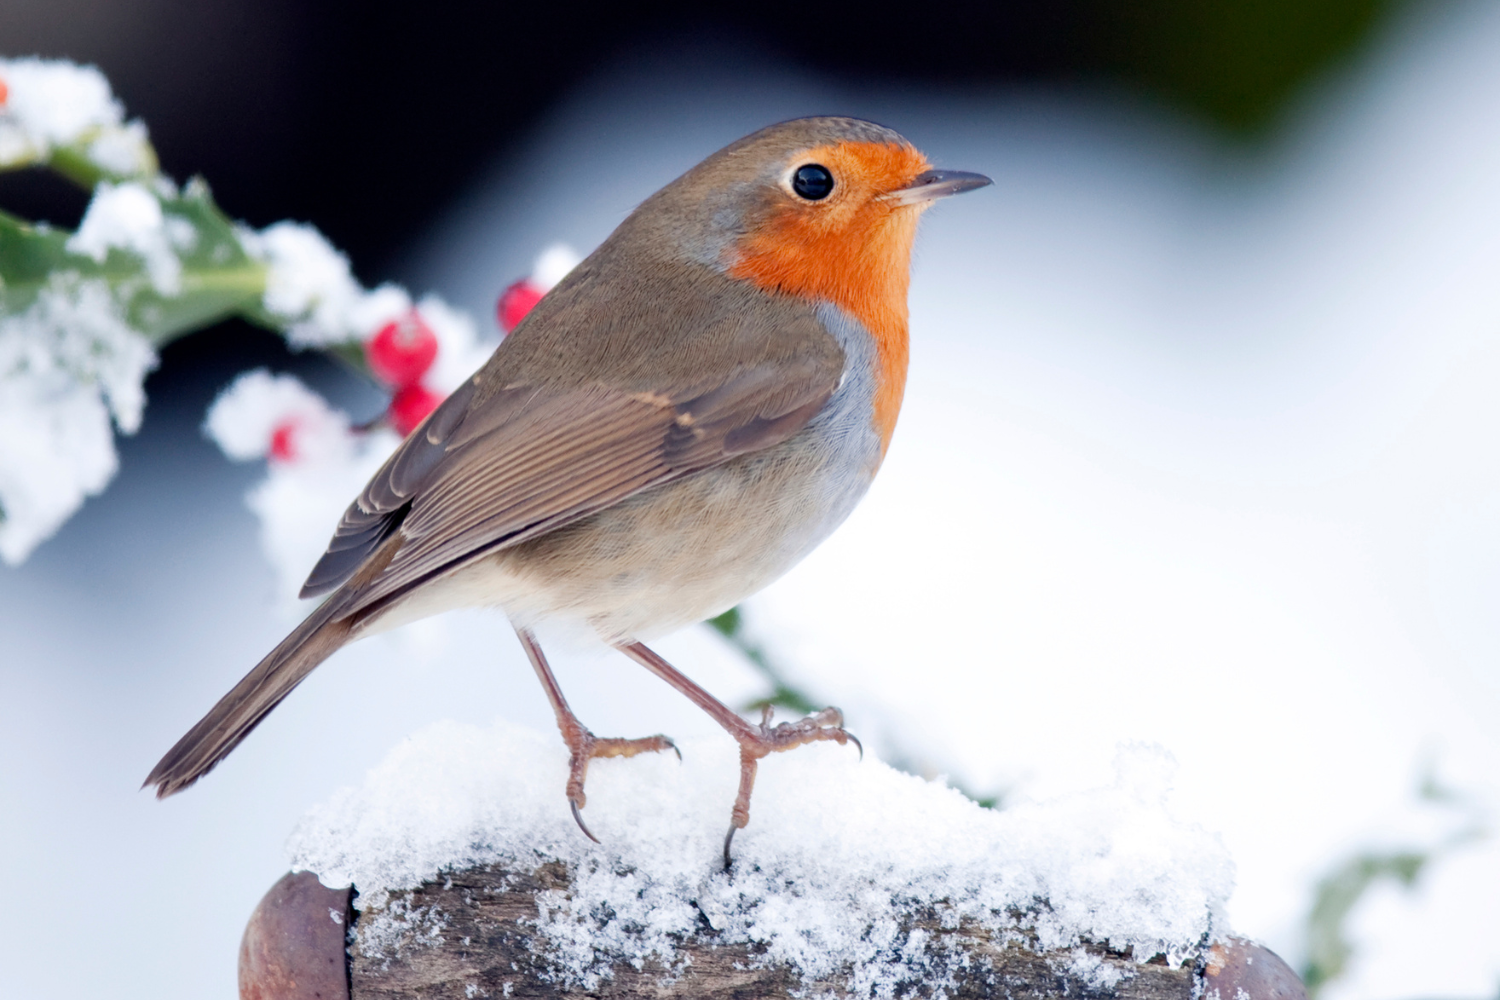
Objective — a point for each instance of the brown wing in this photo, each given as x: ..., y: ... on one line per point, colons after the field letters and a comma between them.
x: 526, y: 460
x: 477, y: 476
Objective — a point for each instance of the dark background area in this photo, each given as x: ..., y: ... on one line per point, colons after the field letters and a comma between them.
x: 366, y: 118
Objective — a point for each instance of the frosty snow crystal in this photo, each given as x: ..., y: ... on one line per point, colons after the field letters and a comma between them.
x: 52, y: 105
x: 837, y: 852
x: 68, y: 364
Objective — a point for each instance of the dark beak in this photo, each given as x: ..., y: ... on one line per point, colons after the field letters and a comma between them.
x: 935, y: 184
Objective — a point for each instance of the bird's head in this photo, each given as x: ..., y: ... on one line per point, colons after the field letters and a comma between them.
x: 821, y: 209
x: 824, y: 208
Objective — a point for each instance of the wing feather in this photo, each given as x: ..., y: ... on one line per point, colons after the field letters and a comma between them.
x: 477, y: 477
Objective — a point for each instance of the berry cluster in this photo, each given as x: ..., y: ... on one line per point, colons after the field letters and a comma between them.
x: 403, y: 355
x: 399, y: 354
x: 520, y: 298
x: 516, y: 301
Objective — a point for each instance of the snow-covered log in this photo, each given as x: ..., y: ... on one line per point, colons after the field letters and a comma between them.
x: 295, y: 949
x: 853, y: 880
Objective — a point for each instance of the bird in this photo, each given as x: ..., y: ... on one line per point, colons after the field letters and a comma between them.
x: 677, y: 423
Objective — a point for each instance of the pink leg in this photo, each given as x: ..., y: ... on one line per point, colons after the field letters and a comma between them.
x: 583, y: 746
x: 755, y: 741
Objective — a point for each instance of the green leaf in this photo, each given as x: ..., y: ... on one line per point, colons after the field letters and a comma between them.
x: 1328, y: 946
x: 219, y: 278
x: 74, y: 163
x: 727, y: 624
x: 29, y: 256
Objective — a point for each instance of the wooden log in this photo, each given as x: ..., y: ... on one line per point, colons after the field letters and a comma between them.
x: 473, y: 934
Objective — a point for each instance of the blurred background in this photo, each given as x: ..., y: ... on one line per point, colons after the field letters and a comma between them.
x: 1199, y: 448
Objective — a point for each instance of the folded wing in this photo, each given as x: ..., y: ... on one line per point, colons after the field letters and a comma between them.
x: 488, y: 472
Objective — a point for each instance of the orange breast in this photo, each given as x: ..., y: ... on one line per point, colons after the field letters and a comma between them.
x: 854, y: 252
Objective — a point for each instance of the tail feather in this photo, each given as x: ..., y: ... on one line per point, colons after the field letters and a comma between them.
x: 261, y: 690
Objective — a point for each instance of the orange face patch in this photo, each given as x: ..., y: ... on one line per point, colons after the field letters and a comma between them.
x: 852, y: 249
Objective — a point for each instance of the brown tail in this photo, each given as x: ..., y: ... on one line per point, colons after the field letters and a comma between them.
x: 241, y: 710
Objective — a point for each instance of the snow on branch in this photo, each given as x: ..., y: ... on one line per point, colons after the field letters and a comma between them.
x: 62, y: 115
x: 82, y: 313
x: 852, y: 879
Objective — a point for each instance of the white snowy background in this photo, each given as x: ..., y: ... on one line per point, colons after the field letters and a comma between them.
x: 1201, y: 447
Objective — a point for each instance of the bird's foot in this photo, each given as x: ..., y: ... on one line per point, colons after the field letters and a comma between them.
x: 758, y: 741
x: 584, y: 746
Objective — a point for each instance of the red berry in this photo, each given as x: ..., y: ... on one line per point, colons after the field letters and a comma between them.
x: 516, y: 301
x: 410, y: 406
x: 4, y: 93
x: 284, y: 441
x: 402, y: 350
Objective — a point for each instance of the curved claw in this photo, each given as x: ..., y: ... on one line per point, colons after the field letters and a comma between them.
x: 728, y: 839
x: 674, y: 749
x: 579, y: 817
x: 855, y: 740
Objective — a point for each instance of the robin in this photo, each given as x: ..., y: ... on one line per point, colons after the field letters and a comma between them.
x: 674, y: 426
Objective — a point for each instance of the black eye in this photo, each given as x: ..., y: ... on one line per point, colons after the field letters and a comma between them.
x: 812, y: 181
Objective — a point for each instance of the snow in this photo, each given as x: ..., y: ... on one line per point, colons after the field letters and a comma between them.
x: 553, y: 264
x: 308, y: 282
x: 303, y: 495
x: 244, y: 416
x: 460, y: 348
x: 837, y: 851
x: 125, y: 150
x: 52, y: 103
x: 300, y: 503
x: 1093, y: 970
x: 58, y: 101
x: 67, y: 365
x: 129, y: 217
x: 310, y: 286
